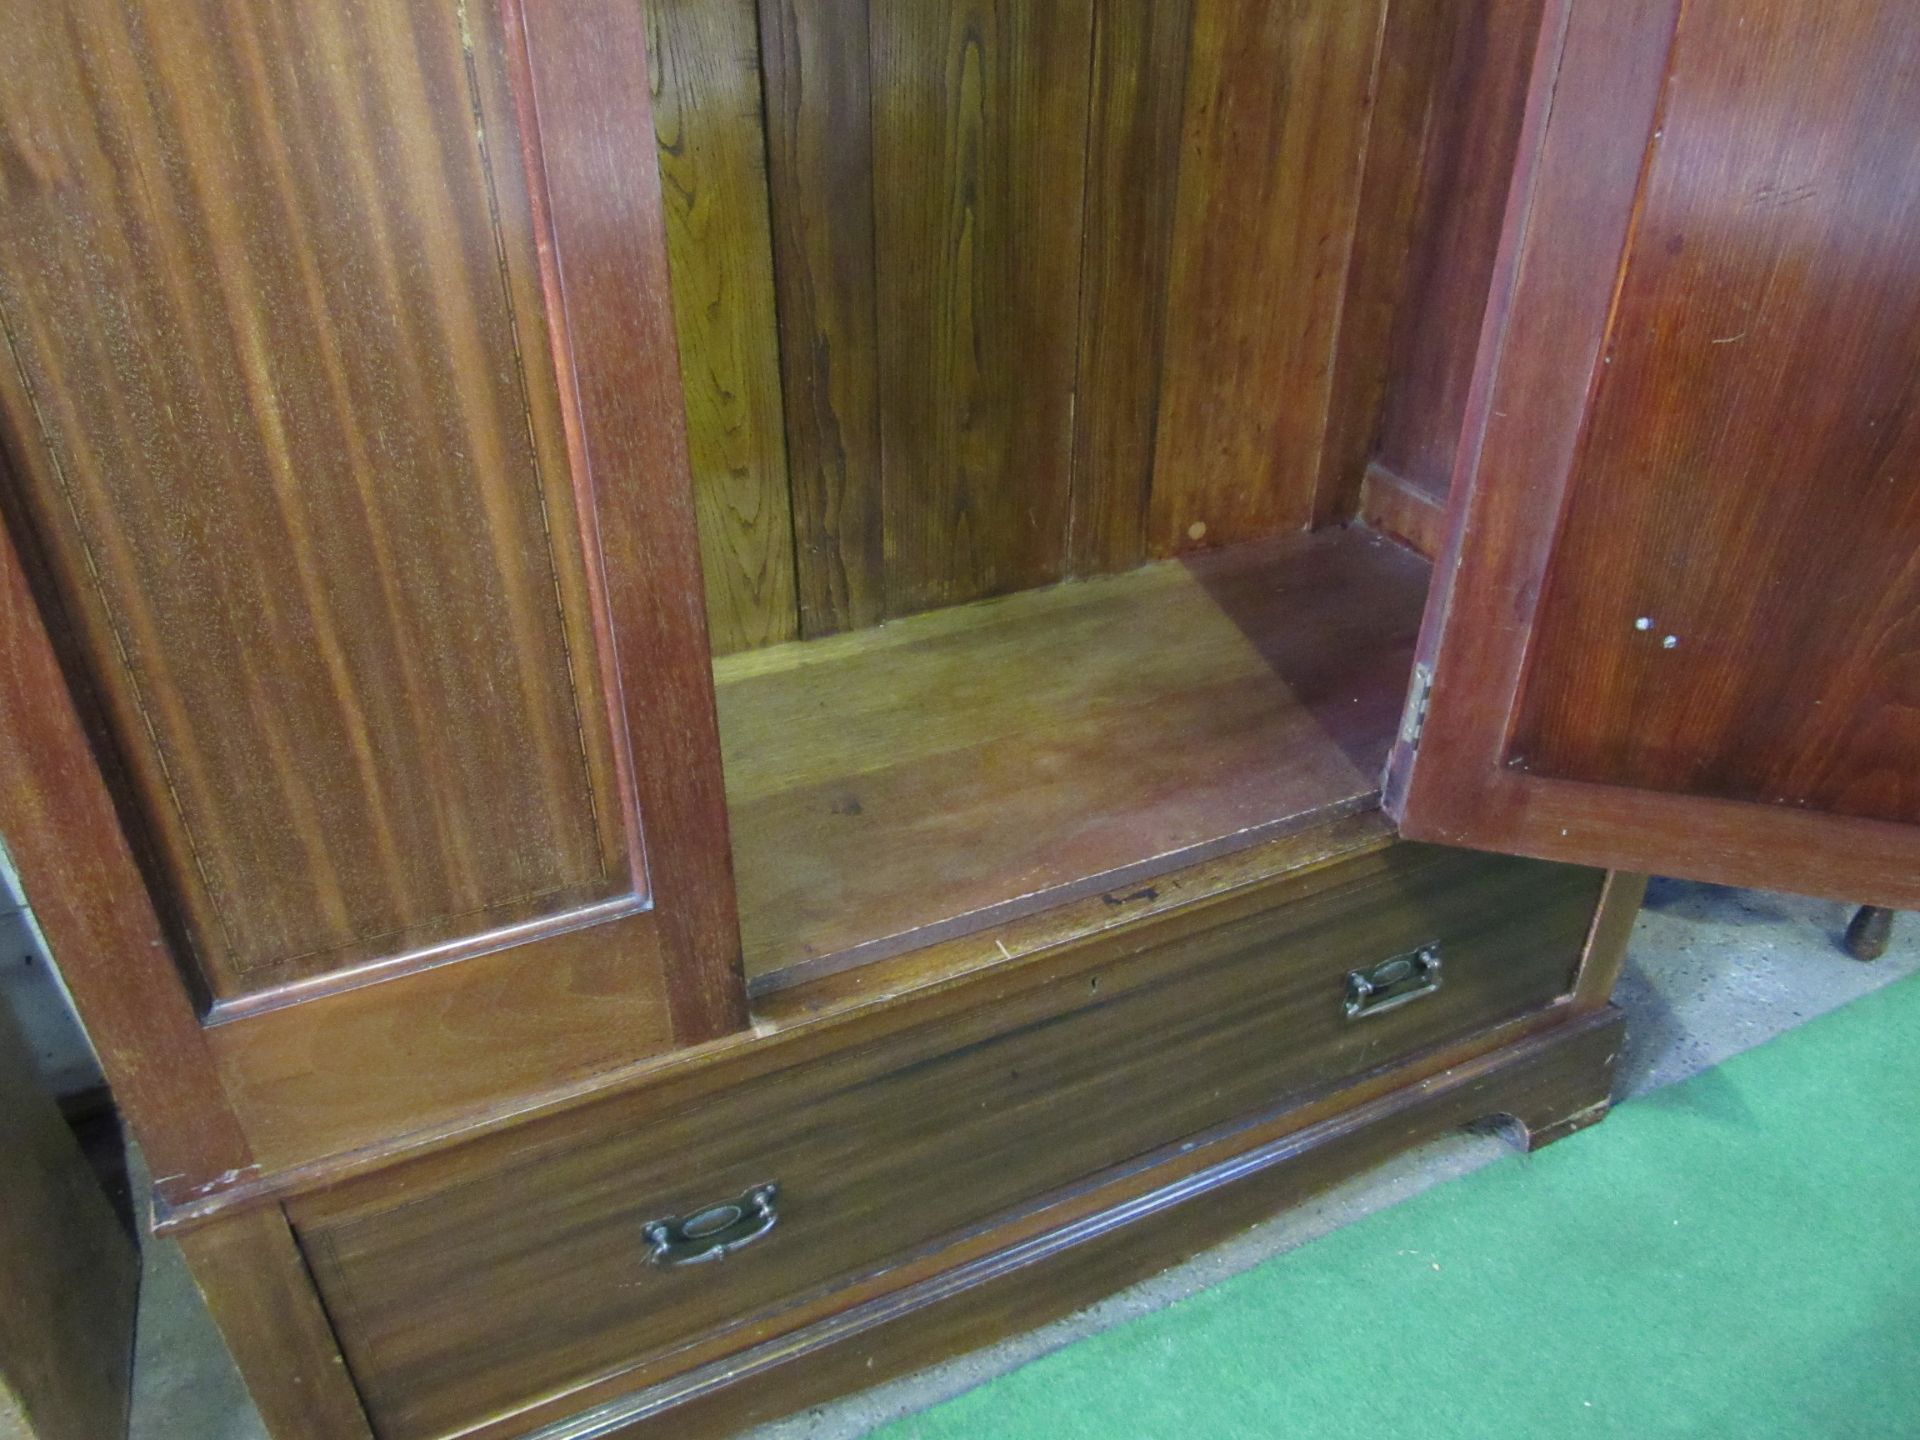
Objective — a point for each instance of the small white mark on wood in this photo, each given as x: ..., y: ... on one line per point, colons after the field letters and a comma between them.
x: 1669, y: 642
x: 1197, y: 530
x: 1645, y: 622
x: 1729, y: 339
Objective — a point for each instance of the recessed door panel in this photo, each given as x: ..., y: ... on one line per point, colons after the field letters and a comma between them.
x: 292, y: 442
x: 345, y: 453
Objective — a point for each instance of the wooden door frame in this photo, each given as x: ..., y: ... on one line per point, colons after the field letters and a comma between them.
x: 1593, y: 114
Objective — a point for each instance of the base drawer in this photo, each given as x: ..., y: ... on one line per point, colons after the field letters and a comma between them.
x: 471, y: 1297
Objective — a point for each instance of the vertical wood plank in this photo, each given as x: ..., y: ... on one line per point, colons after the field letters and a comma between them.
x: 705, y: 64
x: 1138, y: 91
x: 820, y: 168
x: 980, y: 128
x: 610, y: 323
x: 1481, y: 56
x: 1276, y: 116
x: 1406, y: 85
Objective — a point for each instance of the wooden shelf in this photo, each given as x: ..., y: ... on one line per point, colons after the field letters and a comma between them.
x: 898, y: 786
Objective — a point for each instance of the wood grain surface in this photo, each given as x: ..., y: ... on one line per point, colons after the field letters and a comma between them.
x: 284, y: 419
x: 706, y: 108
x: 1765, y: 745
x: 605, y: 275
x: 897, y: 785
x: 1408, y: 512
x: 1270, y: 164
x: 1103, y: 1238
x: 1040, y: 310
x: 458, y: 1013
x: 818, y: 71
x: 1404, y: 93
x: 258, y: 1289
x: 813, y: 1016
x: 78, y: 873
x: 1734, y: 606
x: 980, y: 125
x: 1478, y: 59
x: 310, y: 1081
x: 460, y: 1301
x: 1138, y: 105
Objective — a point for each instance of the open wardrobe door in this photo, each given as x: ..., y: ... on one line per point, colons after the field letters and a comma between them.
x: 1676, y: 622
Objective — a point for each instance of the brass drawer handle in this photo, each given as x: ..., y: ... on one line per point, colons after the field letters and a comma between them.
x: 1393, y: 983
x: 715, y: 1232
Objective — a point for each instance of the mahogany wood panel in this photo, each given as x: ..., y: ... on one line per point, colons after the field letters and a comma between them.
x: 66, y: 1311
x: 1544, y: 422
x: 895, y: 786
x: 1277, y: 106
x: 979, y: 136
x: 256, y: 1284
x: 1733, y: 606
x: 1138, y: 103
x: 706, y: 108
x: 457, y: 1302
x: 1134, y: 1225
x: 817, y: 64
x: 310, y: 1081
x: 283, y: 419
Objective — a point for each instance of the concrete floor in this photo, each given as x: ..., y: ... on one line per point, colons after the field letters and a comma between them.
x: 1711, y: 972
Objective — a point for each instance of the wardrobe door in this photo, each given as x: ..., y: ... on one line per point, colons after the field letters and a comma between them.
x: 346, y: 458
x: 1678, y: 621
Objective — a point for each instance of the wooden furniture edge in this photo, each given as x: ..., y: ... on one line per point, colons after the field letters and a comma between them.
x: 1592, y: 118
x: 1295, y: 1112
x: 79, y: 876
x: 1086, y: 918
x: 256, y: 1284
x: 1606, y: 951
x: 839, y: 1010
x: 1722, y: 842
x: 602, y: 244
x: 1548, y: 1084
x: 1396, y: 506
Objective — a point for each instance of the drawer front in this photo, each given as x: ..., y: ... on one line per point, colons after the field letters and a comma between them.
x: 476, y: 1296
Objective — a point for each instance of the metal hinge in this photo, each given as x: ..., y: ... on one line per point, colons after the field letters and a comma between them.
x: 1415, y: 719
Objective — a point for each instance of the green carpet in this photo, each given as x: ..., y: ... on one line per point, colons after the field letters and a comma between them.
x: 1737, y: 1255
